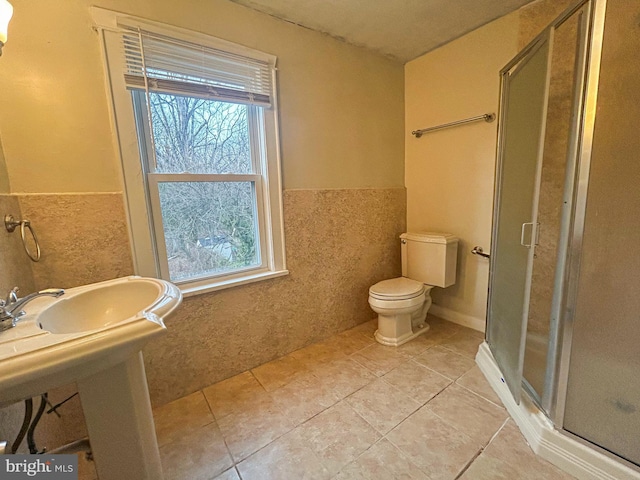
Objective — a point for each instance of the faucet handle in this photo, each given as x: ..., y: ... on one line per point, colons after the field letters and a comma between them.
x: 12, y: 297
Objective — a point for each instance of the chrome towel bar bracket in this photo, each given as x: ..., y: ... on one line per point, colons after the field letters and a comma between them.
x: 478, y: 251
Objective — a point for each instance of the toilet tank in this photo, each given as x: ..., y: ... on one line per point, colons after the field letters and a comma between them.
x: 430, y: 258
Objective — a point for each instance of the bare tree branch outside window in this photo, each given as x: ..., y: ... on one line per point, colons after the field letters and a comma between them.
x: 209, y: 227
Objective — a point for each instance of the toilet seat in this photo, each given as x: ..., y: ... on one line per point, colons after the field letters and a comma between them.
x: 397, y: 289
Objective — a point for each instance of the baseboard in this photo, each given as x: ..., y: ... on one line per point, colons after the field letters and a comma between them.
x: 561, y: 450
x: 457, y: 317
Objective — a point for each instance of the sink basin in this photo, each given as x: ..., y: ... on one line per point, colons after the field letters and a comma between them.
x: 102, y: 307
x: 86, y: 330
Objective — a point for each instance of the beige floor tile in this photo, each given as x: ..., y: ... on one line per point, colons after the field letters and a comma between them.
x: 383, y: 461
x: 437, y: 337
x: 464, y: 342
x: 441, y: 328
x: 251, y: 429
x: 466, y: 411
x: 303, y: 398
x: 278, y: 373
x: 201, y: 455
x: 230, y: 474
x: 338, y: 436
x: 368, y: 328
x: 380, y: 359
x: 445, y: 362
x: 316, y: 355
x: 351, y: 341
x: 382, y: 405
x: 489, y: 468
x: 180, y: 417
x: 438, y: 448
x: 417, y: 381
x: 235, y: 394
x: 509, y: 457
x: 289, y: 457
x: 418, y: 345
x: 344, y: 376
x: 475, y: 381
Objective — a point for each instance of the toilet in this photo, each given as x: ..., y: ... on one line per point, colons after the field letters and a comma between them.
x: 428, y: 260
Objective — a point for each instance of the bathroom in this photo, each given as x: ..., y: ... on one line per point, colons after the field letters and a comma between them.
x: 353, y: 179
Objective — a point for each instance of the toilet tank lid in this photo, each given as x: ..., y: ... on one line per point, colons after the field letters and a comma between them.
x: 429, y: 237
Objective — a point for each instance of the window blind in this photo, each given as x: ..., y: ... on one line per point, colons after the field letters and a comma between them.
x: 168, y: 65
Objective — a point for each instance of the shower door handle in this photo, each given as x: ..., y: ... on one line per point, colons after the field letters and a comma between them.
x: 522, y: 231
x: 535, y: 227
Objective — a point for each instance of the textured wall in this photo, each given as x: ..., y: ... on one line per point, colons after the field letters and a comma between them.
x: 83, y: 238
x: 536, y: 16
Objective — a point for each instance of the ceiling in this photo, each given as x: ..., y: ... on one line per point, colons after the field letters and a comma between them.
x: 400, y: 29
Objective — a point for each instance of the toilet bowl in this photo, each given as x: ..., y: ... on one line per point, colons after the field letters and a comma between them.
x: 402, y: 305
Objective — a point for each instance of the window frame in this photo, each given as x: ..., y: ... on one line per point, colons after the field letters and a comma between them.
x: 129, y: 112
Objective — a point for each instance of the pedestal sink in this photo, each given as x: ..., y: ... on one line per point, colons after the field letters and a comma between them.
x: 93, y: 335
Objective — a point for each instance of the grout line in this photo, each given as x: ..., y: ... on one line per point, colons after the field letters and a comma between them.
x: 258, y: 380
x: 468, y: 464
x: 208, y: 404
x: 235, y: 467
x: 419, y: 408
x: 482, y: 449
x: 224, y: 440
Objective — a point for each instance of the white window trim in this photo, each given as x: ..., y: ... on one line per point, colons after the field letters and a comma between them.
x: 126, y: 141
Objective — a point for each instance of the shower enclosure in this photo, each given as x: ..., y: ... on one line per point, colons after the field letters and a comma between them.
x: 563, y: 313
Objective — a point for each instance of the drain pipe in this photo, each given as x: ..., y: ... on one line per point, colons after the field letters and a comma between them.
x: 28, y: 412
x: 32, y: 428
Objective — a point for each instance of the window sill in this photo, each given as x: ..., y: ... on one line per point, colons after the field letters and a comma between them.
x: 190, y: 290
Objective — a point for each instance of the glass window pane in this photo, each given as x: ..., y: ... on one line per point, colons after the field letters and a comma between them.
x: 199, y: 136
x: 209, y: 227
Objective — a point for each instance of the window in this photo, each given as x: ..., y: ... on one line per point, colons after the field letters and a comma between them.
x: 196, y: 123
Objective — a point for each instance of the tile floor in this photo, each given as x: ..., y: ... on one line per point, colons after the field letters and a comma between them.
x: 349, y: 408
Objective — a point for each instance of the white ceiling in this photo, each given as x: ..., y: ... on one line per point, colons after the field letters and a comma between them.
x: 400, y: 29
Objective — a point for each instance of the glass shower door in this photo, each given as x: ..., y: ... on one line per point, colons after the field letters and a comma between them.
x: 524, y: 99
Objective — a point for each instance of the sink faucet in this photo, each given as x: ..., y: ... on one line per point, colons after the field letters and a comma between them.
x: 11, y: 308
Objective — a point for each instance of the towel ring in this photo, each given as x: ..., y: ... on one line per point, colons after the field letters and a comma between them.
x: 11, y: 224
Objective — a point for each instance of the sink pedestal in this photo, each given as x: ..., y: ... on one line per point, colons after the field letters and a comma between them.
x: 118, y: 414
